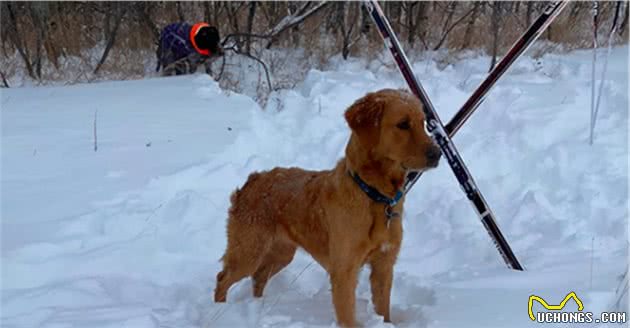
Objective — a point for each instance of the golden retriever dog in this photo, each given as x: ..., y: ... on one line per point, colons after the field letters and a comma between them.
x: 334, y: 215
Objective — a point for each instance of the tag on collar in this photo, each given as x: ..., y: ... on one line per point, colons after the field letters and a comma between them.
x: 390, y: 215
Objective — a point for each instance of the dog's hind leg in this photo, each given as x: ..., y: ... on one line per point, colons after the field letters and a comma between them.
x: 279, y: 256
x: 242, y: 257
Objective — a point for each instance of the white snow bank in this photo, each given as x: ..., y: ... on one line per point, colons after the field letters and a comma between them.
x: 131, y: 235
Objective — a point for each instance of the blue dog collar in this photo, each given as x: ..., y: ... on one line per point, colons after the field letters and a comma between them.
x: 374, y: 194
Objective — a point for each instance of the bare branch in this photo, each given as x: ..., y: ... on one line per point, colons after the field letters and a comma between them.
x: 293, y: 20
x: 450, y: 28
x: 95, y: 136
x: 238, y: 35
x: 4, y: 80
x: 112, y: 39
x: 222, y: 70
x: 263, y: 65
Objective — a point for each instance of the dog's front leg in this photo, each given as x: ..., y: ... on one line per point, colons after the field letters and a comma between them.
x: 381, y: 282
x: 343, y: 279
x: 381, y: 276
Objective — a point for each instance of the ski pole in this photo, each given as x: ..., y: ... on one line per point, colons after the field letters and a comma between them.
x: 479, y: 95
x: 550, y: 13
x: 441, y: 137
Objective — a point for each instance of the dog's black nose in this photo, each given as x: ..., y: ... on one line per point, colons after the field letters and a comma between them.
x: 433, y: 155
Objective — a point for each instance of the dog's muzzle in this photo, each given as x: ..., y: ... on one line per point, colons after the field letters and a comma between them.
x: 433, y: 155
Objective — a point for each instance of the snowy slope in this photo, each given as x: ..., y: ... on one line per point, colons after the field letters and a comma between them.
x: 131, y: 235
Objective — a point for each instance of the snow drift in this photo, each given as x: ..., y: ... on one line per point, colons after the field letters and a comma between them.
x: 131, y: 235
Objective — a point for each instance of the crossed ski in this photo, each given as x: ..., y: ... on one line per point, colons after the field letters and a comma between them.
x: 442, y: 135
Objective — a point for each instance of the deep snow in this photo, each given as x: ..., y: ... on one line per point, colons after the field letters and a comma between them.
x: 131, y: 235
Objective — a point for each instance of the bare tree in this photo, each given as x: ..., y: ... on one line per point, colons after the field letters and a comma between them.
x: 528, y: 13
x: 624, y: 21
x: 421, y: 21
x: 294, y: 19
x: 470, y: 25
x: 180, y: 11
x: 410, y: 20
x: 39, y: 14
x: 16, y: 38
x: 494, y: 29
x: 250, y: 25
x: 42, y: 35
x: 448, y: 28
x: 144, y: 13
x: 5, y: 83
x: 450, y: 11
x: 349, y: 20
x: 270, y: 11
x: 117, y: 13
x: 232, y: 9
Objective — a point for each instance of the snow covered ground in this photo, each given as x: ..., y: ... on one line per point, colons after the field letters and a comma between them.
x: 131, y: 235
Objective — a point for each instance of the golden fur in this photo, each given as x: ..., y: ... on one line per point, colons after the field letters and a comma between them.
x: 326, y: 213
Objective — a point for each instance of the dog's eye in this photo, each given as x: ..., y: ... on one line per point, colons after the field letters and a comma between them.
x: 404, y: 125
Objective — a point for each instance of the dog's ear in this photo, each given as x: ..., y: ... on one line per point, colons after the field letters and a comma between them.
x: 364, y: 118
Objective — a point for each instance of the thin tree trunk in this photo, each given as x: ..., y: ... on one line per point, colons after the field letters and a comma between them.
x: 19, y: 44
x: 421, y: 22
x: 348, y: 24
x: 624, y: 22
x: 95, y: 134
x: 180, y: 11
x: 450, y: 28
x: 495, y: 25
x: 471, y: 24
x: 232, y: 9
x: 395, y: 11
x: 216, y: 12
x: 145, y: 16
x: 107, y: 20
x: 36, y: 11
x: 366, y: 22
x: 528, y: 13
x: 4, y: 80
x: 273, y: 14
x: 575, y: 12
x: 250, y: 25
x: 450, y: 9
x: 345, y: 30
x: 412, y: 25
x: 206, y: 13
x: 4, y: 32
x: 112, y: 39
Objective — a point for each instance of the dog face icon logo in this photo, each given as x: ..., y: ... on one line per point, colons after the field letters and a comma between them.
x: 559, y: 307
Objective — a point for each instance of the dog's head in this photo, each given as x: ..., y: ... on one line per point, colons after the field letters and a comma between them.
x: 208, y: 38
x: 390, y: 125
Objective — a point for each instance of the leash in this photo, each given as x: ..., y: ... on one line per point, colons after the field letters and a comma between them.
x: 596, y: 97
